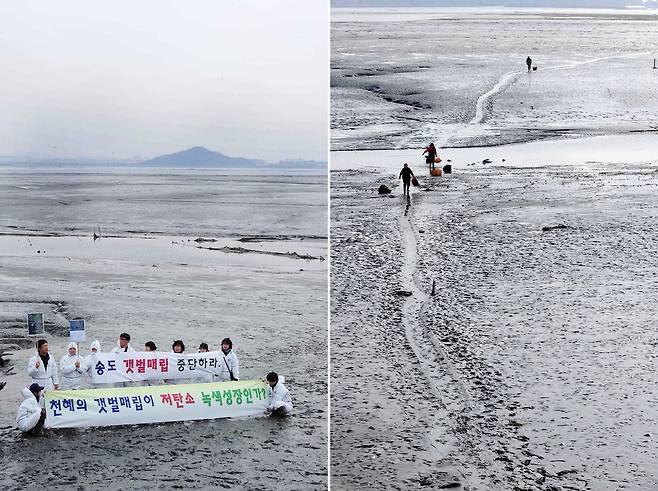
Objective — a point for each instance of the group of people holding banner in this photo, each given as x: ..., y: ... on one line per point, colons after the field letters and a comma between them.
x: 45, y: 371
x: 125, y: 366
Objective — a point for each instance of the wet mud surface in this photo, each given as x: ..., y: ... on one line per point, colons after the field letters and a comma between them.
x: 161, y: 288
x: 532, y: 366
x: 382, y: 405
x: 401, y: 78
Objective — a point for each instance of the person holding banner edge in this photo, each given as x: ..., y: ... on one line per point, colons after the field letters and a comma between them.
x: 124, y: 347
x: 280, y: 402
x: 150, y: 347
x: 177, y: 347
x: 31, y: 416
x: 230, y: 368
x: 124, y: 344
x: 208, y: 377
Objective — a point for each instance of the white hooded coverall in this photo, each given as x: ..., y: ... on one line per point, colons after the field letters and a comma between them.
x: 119, y: 349
x: 279, y: 396
x: 90, y: 362
x: 46, y: 378
x: 29, y: 411
x: 227, y: 364
x: 72, y: 376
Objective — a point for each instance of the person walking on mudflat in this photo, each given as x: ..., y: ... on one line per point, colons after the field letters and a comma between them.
x: 528, y: 61
x: 406, y: 174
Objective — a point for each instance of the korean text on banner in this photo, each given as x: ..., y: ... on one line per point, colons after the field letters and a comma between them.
x: 107, y: 368
x: 160, y: 403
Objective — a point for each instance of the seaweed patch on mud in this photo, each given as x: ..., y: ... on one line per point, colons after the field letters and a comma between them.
x: 243, y: 250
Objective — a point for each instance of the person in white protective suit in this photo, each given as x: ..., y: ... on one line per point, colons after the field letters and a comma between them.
x: 178, y: 347
x: 31, y: 416
x: 43, y: 368
x: 280, y: 402
x: 207, y: 377
x: 229, y: 368
x: 123, y: 344
x: 90, y: 361
x: 123, y: 347
x: 150, y: 346
x: 72, y: 368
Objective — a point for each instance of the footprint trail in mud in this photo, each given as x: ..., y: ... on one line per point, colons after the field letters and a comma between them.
x: 431, y: 358
x: 472, y: 414
x: 506, y: 81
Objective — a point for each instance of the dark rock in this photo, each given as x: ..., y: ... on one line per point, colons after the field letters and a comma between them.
x: 447, y: 169
x: 403, y: 293
x: 384, y: 189
x: 486, y: 161
x: 548, y: 228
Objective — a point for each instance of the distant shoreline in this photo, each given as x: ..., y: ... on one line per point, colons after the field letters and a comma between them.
x: 114, y: 167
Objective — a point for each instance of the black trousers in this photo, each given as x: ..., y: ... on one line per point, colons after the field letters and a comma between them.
x: 38, y: 429
x: 280, y: 412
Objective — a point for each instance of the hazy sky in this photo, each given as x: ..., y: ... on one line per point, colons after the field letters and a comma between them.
x: 128, y: 78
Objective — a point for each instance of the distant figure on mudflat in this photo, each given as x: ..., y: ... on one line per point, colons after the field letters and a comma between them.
x: 406, y: 174
x: 528, y: 61
x: 431, y: 155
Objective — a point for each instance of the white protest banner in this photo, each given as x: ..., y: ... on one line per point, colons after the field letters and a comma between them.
x: 107, y: 368
x: 158, y: 403
x: 77, y: 330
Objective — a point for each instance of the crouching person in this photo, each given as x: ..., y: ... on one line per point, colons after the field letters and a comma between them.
x: 280, y: 402
x: 31, y: 416
x: 72, y: 368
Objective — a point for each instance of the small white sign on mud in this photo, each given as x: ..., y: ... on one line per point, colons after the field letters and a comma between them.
x: 35, y: 324
x: 77, y: 330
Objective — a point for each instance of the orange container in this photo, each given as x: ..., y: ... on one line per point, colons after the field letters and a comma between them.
x: 436, y: 172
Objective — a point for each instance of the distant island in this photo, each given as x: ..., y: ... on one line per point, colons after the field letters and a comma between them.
x: 202, y: 157
x: 195, y: 157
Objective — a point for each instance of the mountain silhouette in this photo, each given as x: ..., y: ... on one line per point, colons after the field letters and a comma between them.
x: 201, y: 157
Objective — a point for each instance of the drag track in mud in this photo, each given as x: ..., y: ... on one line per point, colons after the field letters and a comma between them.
x: 383, y: 405
x: 402, y: 78
x: 532, y: 366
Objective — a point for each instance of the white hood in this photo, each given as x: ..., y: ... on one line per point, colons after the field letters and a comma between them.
x: 29, y: 412
x: 96, y: 345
